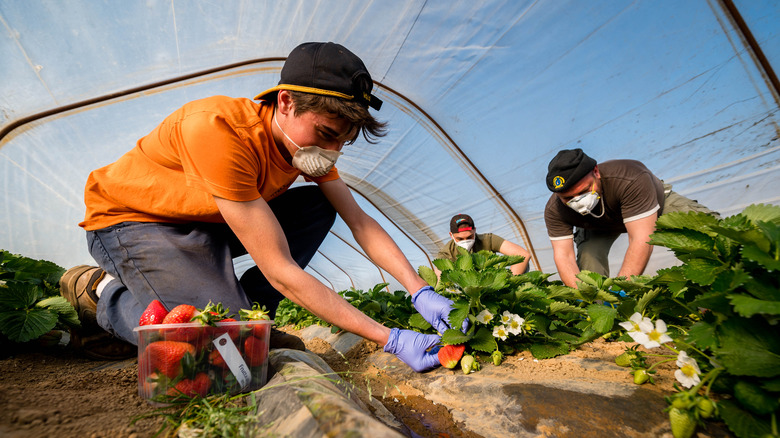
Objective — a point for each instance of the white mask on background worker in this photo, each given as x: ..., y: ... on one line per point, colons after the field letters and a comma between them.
x: 466, y: 244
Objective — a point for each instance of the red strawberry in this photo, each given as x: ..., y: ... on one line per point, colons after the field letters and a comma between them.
x: 449, y: 355
x: 255, y: 351
x: 231, y: 329
x: 260, y: 331
x: 191, y: 387
x: 180, y: 314
x: 183, y: 313
x: 154, y: 314
x: 216, y: 359
x: 165, y: 357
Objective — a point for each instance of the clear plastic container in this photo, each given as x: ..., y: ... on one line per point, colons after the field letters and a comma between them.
x: 178, y: 360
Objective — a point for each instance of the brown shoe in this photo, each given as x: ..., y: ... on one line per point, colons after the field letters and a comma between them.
x: 279, y: 339
x: 78, y: 286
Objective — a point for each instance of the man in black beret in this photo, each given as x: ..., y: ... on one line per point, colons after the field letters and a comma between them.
x: 592, y: 204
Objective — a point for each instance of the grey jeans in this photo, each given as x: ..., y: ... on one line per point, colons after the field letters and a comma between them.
x: 193, y: 263
x: 593, y: 245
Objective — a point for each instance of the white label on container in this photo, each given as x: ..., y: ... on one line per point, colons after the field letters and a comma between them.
x: 233, y: 359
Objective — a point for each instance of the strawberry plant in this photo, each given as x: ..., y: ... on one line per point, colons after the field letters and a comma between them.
x: 724, y: 302
x: 513, y: 312
x: 30, y: 301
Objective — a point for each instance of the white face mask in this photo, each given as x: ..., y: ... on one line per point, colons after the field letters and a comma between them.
x: 585, y: 203
x: 311, y: 160
x: 466, y: 244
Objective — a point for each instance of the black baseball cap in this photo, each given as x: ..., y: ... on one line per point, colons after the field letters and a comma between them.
x: 567, y: 168
x: 327, y: 69
x: 461, y: 222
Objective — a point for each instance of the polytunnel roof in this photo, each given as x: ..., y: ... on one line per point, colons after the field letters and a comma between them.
x: 479, y: 97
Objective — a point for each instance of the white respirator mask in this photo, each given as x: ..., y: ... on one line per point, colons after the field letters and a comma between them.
x: 585, y: 203
x: 466, y: 244
x: 311, y: 160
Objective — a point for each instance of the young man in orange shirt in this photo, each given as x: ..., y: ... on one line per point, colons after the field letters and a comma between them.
x: 211, y: 183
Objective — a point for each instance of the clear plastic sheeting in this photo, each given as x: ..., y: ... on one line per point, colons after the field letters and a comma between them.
x: 479, y: 97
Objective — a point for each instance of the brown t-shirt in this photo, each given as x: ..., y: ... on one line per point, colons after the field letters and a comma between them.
x: 630, y: 192
x: 217, y: 146
x: 486, y: 241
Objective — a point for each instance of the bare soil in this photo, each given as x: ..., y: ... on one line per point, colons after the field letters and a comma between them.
x: 54, y: 392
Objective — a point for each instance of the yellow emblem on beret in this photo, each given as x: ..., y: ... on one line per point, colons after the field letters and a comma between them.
x: 558, y: 182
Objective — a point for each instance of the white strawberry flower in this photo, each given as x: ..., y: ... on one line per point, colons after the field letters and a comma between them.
x: 657, y: 336
x: 485, y: 316
x: 637, y: 323
x: 500, y: 332
x: 515, y: 325
x: 688, y: 374
x: 506, y: 317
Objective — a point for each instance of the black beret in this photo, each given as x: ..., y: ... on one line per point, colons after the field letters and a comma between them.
x: 567, y: 168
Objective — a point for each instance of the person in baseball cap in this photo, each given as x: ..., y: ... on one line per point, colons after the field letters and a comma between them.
x: 464, y: 235
x: 327, y: 69
x: 228, y: 195
x: 592, y: 204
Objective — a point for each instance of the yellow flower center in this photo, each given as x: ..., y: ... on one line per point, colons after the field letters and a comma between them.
x: 654, y: 335
x: 688, y: 370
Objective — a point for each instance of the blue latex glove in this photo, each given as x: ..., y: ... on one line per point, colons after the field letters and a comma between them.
x: 412, y: 348
x: 435, y: 309
x: 621, y: 293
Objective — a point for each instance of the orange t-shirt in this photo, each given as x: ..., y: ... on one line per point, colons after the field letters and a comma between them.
x: 217, y: 146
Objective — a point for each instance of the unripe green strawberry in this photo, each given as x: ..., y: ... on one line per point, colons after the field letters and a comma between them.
x: 497, y: 357
x: 641, y: 376
x: 467, y: 363
x: 705, y: 407
x: 682, y: 401
x: 683, y: 423
x: 623, y: 360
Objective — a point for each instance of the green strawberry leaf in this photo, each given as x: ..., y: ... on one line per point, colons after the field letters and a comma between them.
x: 459, y: 313
x: 454, y: 337
x: 19, y: 295
x: 483, y: 341
x: 417, y: 321
x: 26, y: 325
x: 754, y: 398
x: 748, y: 348
x: 562, y: 307
x: 748, y: 306
x: 702, y: 335
x: 685, y: 242
x: 742, y: 422
x: 444, y: 264
x: 702, y: 271
x: 428, y: 275
x: 689, y: 220
x: 754, y: 253
x: 602, y: 317
x: 762, y: 212
x: 65, y: 311
x: 464, y: 262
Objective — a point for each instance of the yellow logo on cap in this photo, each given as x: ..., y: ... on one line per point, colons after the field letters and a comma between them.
x: 558, y: 182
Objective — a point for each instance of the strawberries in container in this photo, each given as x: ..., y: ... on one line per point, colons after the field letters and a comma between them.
x: 191, y: 352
